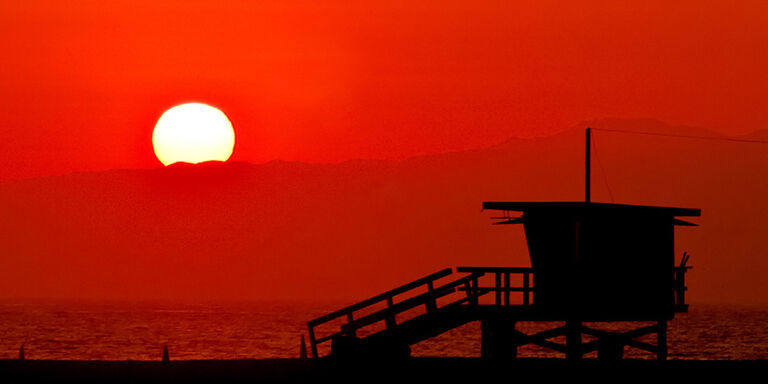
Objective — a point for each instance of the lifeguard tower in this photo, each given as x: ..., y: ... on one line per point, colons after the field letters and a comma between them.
x: 590, y: 262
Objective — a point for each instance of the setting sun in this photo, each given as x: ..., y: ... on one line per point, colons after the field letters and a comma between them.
x: 193, y: 133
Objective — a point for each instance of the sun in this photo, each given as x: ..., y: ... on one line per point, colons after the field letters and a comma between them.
x: 193, y: 133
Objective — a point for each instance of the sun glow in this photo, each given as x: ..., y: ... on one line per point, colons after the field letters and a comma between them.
x: 193, y: 133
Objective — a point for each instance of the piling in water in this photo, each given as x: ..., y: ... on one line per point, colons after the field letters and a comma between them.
x: 21, y: 351
x: 303, y: 350
x: 166, y: 357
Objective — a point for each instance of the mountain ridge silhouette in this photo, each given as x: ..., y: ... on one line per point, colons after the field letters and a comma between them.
x: 344, y: 230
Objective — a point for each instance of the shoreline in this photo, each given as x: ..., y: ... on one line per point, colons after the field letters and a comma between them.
x: 414, y: 369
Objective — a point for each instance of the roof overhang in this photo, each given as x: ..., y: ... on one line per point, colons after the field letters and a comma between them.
x: 578, y: 208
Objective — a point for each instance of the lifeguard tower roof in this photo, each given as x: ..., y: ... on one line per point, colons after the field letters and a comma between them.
x: 569, y: 207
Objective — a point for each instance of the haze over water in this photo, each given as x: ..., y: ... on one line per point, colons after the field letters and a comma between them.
x: 138, y: 331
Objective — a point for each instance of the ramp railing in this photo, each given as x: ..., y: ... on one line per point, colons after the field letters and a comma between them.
x: 351, y: 324
x: 680, y: 288
x: 502, y: 286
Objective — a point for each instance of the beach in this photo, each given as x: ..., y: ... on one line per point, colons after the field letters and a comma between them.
x: 412, y: 370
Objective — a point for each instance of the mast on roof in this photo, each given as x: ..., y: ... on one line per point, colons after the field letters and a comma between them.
x: 588, y: 168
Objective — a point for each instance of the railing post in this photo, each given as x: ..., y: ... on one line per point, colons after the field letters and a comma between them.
x: 350, y: 319
x: 432, y: 302
x: 470, y: 295
x: 312, y: 342
x: 474, y: 299
x: 390, y: 319
x: 680, y: 286
x: 573, y: 340
x: 506, y: 288
x: 661, y: 340
x: 498, y: 288
x: 526, y: 289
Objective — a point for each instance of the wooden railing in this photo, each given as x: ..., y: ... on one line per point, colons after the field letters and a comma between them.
x: 502, y: 285
x: 388, y: 314
x: 680, y: 288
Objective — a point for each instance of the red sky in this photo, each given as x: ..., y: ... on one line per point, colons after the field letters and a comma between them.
x: 82, y: 83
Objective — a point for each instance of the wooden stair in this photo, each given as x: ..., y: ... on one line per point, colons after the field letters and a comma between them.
x: 446, y: 305
x: 387, y: 324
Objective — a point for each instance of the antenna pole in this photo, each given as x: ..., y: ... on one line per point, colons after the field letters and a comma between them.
x: 588, y: 173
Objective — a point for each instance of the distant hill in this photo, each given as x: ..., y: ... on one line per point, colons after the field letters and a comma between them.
x: 345, y: 231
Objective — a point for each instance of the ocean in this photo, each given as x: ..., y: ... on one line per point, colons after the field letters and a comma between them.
x: 138, y: 331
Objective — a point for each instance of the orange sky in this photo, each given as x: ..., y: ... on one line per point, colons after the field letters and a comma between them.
x: 82, y: 83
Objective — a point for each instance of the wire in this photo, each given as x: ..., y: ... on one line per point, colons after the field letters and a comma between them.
x: 683, y: 136
x: 600, y: 164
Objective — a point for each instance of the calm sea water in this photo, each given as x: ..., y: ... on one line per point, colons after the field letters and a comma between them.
x: 133, y: 331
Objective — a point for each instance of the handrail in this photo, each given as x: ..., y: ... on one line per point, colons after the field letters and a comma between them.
x: 381, y: 297
x: 386, y: 296
x: 497, y: 289
x: 407, y: 304
x: 503, y: 289
x: 680, y: 288
x: 495, y: 269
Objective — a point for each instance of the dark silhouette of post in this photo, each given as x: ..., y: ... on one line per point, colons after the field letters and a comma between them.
x: 166, y: 356
x: 661, y: 340
x: 21, y: 352
x: 573, y: 340
x: 498, y: 338
x: 303, y: 349
x: 588, y: 168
